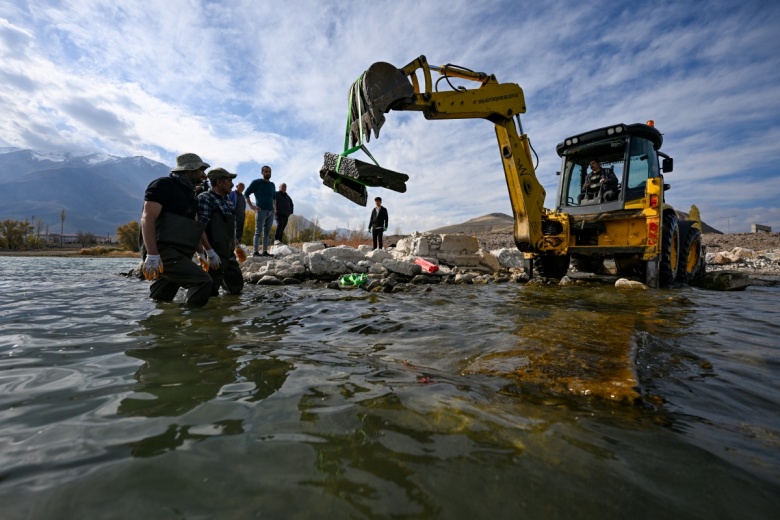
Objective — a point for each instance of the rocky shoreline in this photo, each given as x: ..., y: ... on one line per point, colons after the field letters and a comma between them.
x: 485, y: 258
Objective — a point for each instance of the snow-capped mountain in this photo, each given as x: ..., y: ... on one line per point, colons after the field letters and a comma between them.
x: 98, y: 192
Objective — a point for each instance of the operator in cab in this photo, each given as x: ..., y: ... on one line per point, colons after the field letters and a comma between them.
x: 600, y: 181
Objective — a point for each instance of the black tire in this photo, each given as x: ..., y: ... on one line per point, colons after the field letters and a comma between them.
x: 552, y: 266
x: 691, y: 260
x: 588, y: 264
x: 670, y: 247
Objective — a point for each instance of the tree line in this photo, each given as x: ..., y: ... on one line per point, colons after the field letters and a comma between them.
x: 22, y: 234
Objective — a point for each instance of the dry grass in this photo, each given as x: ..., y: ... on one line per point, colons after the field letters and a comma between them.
x: 107, y: 251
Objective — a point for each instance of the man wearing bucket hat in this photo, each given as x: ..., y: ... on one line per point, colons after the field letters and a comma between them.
x: 216, y: 212
x: 171, y: 235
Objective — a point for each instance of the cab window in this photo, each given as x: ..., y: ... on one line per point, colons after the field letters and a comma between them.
x: 642, y: 164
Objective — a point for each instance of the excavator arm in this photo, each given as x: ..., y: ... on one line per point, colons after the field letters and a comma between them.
x: 384, y: 87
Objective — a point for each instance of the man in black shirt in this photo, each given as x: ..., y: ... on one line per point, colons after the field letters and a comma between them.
x: 171, y: 234
x: 284, y: 208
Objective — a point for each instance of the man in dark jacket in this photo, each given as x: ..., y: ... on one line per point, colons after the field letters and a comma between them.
x: 284, y: 208
x: 216, y: 212
x: 378, y: 222
x: 236, y: 198
x: 170, y: 234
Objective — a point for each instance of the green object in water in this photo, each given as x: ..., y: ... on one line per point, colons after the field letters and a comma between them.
x: 353, y: 280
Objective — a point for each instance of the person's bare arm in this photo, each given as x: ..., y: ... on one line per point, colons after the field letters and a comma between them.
x: 149, y: 216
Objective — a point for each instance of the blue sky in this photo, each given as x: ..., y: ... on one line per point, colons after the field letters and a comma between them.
x: 247, y: 83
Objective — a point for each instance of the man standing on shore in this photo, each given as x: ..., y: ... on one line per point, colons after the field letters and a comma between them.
x: 238, y: 201
x: 170, y: 234
x: 264, y: 206
x: 378, y: 222
x: 284, y: 208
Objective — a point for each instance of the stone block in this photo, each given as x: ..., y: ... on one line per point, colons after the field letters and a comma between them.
x: 312, y: 247
x: 402, y: 267
x: 458, y: 244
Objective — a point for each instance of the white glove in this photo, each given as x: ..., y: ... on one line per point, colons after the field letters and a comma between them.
x: 214, y: 260
x: 152, y: 267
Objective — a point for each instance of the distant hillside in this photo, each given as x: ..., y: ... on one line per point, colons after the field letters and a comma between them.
x: 491, y: 223
x: 502, y: 223
x: 98, y: 192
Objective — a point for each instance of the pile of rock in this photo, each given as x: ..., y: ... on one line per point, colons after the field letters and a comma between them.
x: 458, y: 257
x: 764, y: 261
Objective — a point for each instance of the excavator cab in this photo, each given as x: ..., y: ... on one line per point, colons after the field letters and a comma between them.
x: 628, y: 151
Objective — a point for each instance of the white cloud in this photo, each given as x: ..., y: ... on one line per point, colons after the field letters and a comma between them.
x: 250, y: 83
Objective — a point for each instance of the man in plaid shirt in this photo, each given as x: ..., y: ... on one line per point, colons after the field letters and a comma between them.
x: 216, y: 212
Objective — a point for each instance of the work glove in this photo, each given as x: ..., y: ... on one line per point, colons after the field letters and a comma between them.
x: 240, y: 254
x: 203, y: 260
x: 214, y: 260
x: 152, y: 267
x: 384, y: 229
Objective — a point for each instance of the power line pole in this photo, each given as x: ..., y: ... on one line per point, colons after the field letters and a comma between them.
x: 62, y: 225
x: 728, y: 222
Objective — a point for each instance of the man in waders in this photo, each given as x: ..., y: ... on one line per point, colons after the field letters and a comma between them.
x: 217, y: 213
x: 171, y: 234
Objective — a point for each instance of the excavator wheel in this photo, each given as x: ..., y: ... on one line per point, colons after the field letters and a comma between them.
x: 552, y: 266
x: 670, y: 246
x: 691, y: 260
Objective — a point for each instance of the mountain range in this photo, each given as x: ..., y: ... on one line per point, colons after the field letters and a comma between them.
x: 98, y: 192
x: 101, y: 192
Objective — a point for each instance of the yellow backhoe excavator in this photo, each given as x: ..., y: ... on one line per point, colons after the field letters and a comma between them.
x: 629, y: 223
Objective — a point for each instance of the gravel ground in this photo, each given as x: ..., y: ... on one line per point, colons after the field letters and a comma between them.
x: 712, y: 241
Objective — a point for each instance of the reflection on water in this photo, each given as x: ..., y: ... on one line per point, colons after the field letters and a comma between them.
x: 458, y: 402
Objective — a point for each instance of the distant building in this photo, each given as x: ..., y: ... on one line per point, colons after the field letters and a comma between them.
x: 73, y: 238
x: 755, y: 228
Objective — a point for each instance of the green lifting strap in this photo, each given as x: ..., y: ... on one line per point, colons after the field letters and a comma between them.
x: 347, y: 151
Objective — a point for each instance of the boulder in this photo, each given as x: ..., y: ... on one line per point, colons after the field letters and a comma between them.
x: 458, y: 244
x: 343, y: 254
x: 631, y: 284
x: 321, y: 267
x: 312, y: 247
x: 488, y: 260
x: 723, y: 281
x: 404, y: 267
x: 509, y: 258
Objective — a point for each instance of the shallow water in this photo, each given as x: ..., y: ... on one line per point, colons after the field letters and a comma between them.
x: 497, y: 401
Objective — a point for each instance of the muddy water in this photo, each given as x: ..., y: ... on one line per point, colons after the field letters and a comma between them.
x: 451, y: 402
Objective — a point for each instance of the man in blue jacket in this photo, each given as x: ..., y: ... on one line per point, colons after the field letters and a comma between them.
x: 264, y: 206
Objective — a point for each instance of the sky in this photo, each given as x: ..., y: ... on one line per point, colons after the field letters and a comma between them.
x: 245, y: 83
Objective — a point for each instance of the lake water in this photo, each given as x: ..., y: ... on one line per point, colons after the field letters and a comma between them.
x: 493, y: 401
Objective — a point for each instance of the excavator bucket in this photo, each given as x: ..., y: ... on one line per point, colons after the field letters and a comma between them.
x: 353, y: 176
x: 375, y: 93
x: 378, y: 90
